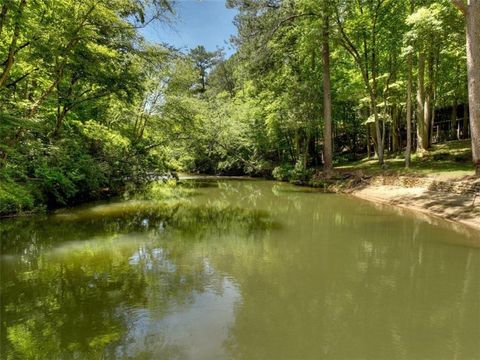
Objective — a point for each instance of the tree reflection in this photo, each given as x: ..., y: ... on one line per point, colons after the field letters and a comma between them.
x: 218, y: 277
x: 73, y: 285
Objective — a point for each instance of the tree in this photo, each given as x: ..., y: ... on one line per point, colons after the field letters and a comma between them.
x: 204, y: 60
x: 425, y: 33
x: 408, y: 149
x: 66, y: 66
x: 471, y: 11
x: 360, y: 26
x: 327, y: 97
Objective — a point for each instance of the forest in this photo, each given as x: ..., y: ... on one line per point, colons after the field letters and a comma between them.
x: 311, y: 190
x: 89, y: 108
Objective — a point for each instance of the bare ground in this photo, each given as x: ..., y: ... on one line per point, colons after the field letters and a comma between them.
x: 456, y: 200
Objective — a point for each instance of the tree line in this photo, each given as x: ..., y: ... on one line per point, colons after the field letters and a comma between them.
x: 73, y: 78
x: 317, y: 83
x: 87, y: 106
x: 386, y: 64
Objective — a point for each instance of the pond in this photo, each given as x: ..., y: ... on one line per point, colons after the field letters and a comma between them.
x: 239, y: 269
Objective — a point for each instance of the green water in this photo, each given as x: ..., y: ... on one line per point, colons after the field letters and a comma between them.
x: 239, y: 270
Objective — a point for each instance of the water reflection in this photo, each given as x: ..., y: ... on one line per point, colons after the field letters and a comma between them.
x: 81, y: 283
x: 245, y: 270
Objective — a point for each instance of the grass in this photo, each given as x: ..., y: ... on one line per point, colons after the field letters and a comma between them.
x: 447, y: 160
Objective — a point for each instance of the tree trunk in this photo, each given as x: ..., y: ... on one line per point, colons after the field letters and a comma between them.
x: 453, y: 121
x: 395, y: 132
x: 421, y: 131
x: 472, y: 16
x: 427, y: 114
x: 408, y: 148
x: 429, y: 101
x: 373, y: 131
x: 378, y: 131
x: 473, y: 66
x: 3, y: 15
x: 327, y: 99
x: 61, y: 113
x: 369, y: 155
x: 13, y: 46
x: 432, y: 122
x: 465, y: 122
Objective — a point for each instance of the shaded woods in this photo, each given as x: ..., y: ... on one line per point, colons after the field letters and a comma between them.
x: 88, y: 107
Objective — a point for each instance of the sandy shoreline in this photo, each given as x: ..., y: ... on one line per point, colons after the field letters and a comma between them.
x: 450, y: 204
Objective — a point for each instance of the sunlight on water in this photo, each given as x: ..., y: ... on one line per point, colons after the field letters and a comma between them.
x: 244, y: 270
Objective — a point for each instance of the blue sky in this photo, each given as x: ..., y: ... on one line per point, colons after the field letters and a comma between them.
x: 197, y: 22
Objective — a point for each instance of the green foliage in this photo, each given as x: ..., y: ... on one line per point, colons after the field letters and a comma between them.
x: 283, y: 172
x: 297, y: 173
x: 14, y: 198
x: 164, y: 191
x: 76, y: 94
x: 88, y: 108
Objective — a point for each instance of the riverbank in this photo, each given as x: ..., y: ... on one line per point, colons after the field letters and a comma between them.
x: 450, y: 197
x: 455, y: 199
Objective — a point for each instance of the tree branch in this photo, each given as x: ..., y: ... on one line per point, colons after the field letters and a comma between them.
x: 60, y: 67
x: 15, y: 82
x: 460, y: 5
x: 287, y: 19
x: 8, y: 64
x: 3, y: 15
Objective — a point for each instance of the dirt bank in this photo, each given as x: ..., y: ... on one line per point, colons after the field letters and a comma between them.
x: 456, y: 200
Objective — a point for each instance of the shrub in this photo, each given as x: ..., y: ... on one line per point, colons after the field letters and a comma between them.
x: 14, y: 197
x: 282, y: 172
x: 287, y: 172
